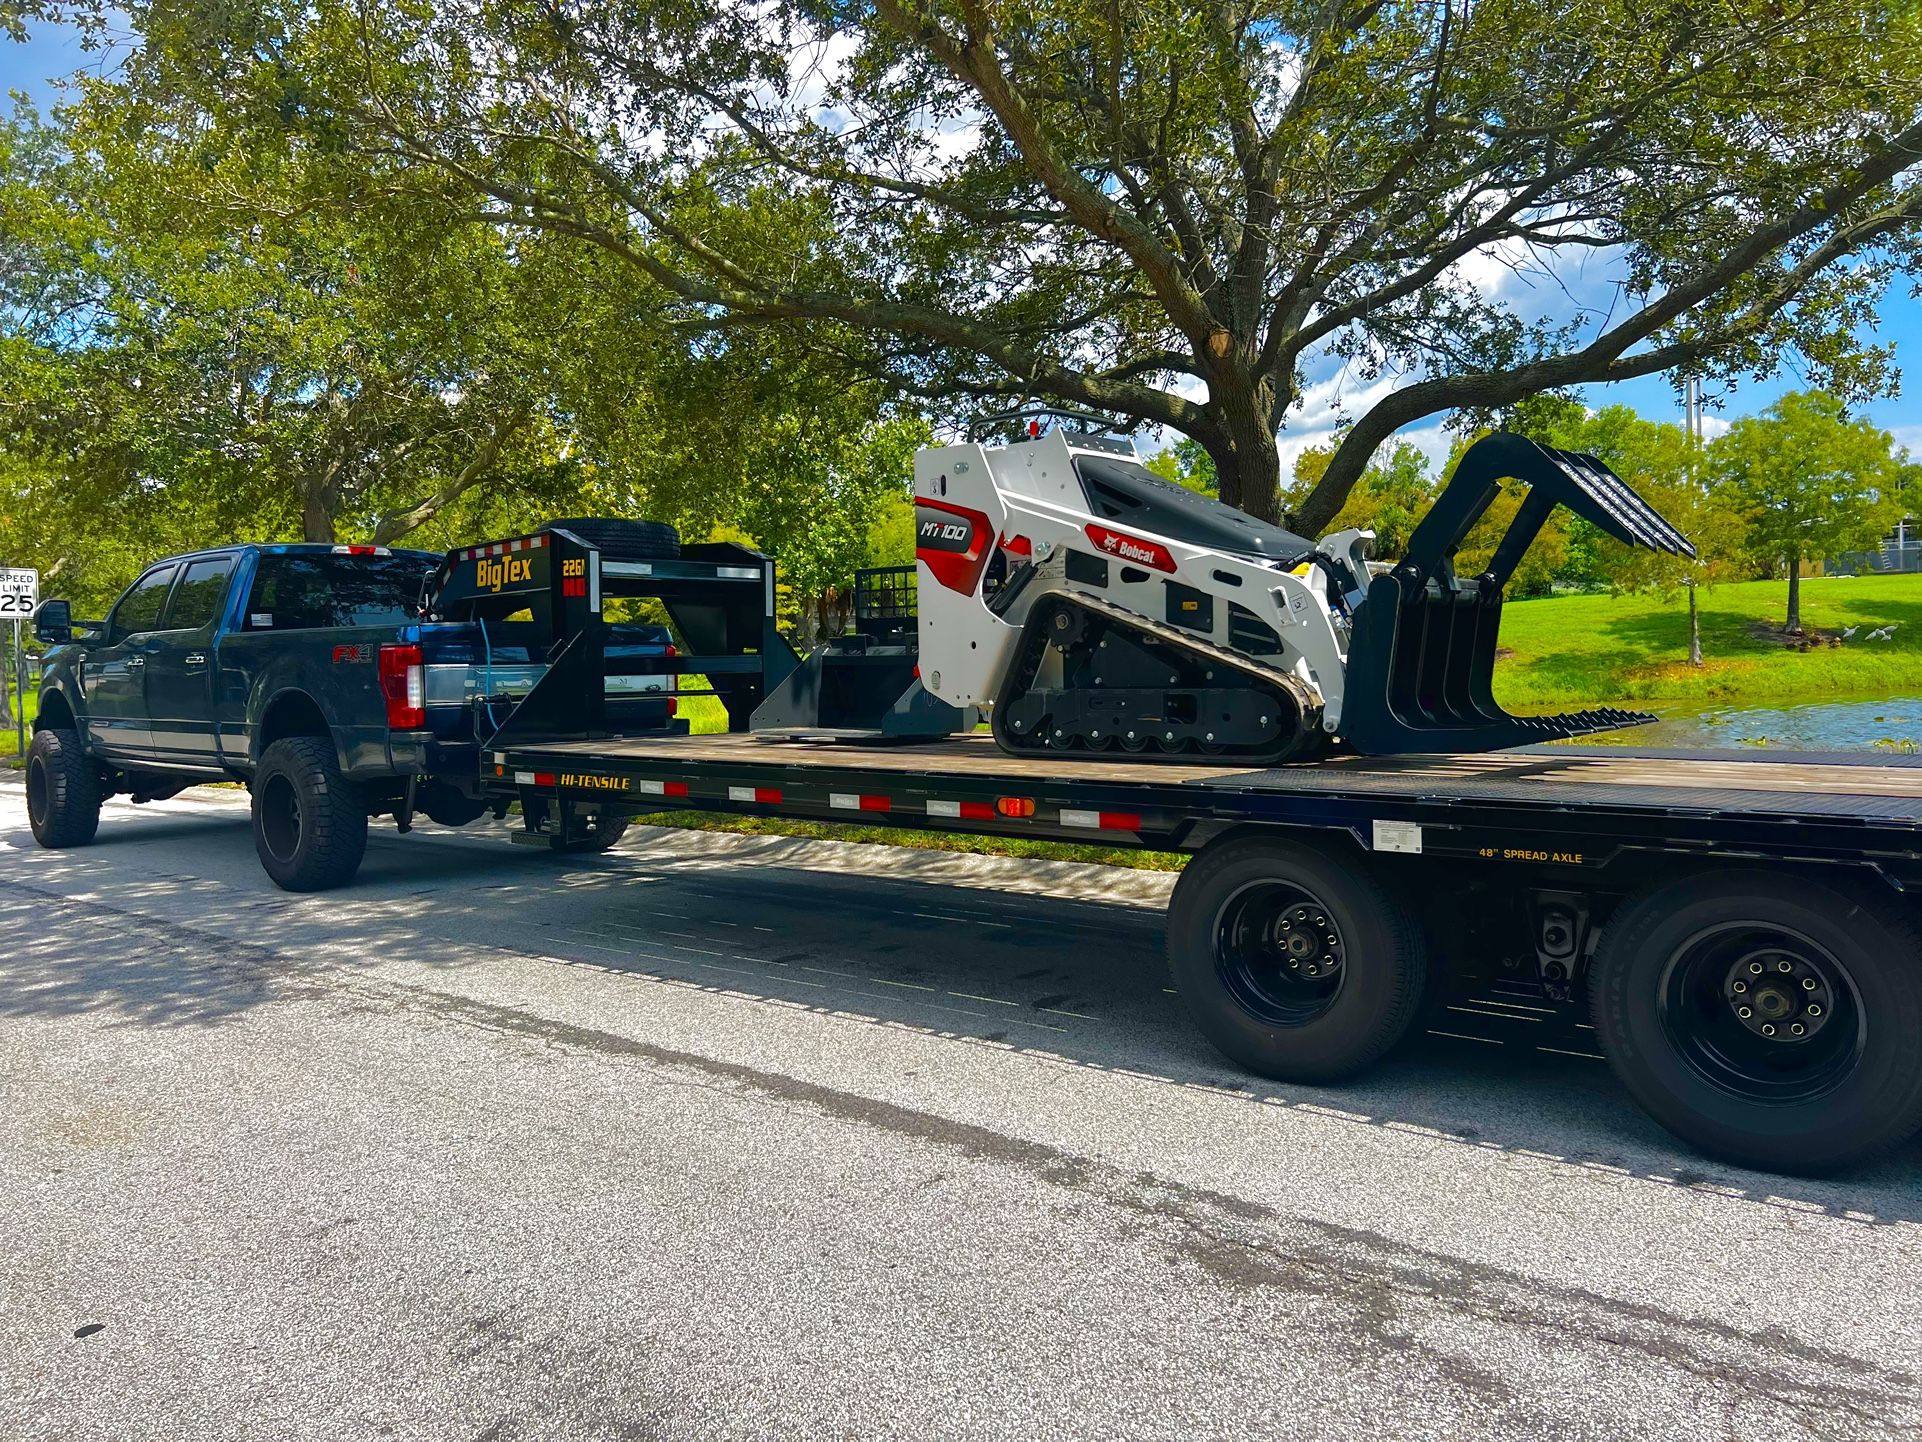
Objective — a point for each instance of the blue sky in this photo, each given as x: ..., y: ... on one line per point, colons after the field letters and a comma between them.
x: 53, y: 51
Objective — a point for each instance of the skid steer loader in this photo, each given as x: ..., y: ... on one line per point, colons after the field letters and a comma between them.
x: 1092, y: 607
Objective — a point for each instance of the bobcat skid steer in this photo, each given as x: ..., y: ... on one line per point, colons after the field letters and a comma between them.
x: 1095, y: 608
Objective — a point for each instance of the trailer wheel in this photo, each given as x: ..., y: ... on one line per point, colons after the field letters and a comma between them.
x: 1294, y: 963
x: 310, y: 822
x: 1766, y: 1018
x: 63, y: 790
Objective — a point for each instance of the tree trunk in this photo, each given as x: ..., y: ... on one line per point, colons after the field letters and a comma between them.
x: 1794, y: 626
x: 316, y: 517
x: 1694, y: 628
x: 1247, y: 460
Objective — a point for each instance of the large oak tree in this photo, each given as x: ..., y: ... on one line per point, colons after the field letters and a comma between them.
x: 1166, y: 213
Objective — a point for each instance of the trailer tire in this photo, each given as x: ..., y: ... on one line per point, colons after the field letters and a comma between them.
x: 1296, y: 964
x: 1688, y: 976
x: 623, y: 540
x: 63, y: 790
x: 310, y: 822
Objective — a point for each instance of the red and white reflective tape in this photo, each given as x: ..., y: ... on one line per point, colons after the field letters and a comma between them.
x: 501, y: 548
x: 1102, y: 820
x: 852, y: 801
x: 962, y: 810
x: 661, y: 788
x: 533, y: 778
x: 758, y: 795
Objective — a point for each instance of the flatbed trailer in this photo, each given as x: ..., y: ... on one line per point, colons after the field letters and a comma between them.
x: 1740, y: 928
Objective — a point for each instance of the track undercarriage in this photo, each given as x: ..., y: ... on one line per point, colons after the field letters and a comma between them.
x: 1089, y: 676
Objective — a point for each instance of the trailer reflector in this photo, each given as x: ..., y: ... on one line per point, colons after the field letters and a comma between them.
x: 1103, y: 820
x: 759, y: 795
x: 661, y: 788
x: 854, y: 801
x: 962, y: 810
x: 1014, y: 805
x: 523, y: 778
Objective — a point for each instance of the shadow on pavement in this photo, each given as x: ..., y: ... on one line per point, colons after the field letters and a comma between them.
x: 1077, y: 982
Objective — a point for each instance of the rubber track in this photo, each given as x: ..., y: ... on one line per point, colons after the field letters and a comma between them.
x: 1191, y: 754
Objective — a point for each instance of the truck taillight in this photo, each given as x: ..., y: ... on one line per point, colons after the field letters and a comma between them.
x: 403, y: 681
x: 673, y: 684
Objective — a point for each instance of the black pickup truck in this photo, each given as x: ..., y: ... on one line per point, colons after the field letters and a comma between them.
x: 310, y: 673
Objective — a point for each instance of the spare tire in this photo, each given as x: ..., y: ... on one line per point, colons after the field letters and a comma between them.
x: 623, y: 540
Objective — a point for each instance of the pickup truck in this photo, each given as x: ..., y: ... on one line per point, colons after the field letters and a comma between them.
x: 309, y: 673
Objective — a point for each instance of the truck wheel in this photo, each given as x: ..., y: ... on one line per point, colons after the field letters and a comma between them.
x: 624, y: 540
x: 310, y: 822
x: 63, y: 790
x: 1296, y: 964
x: 1768, y: 1019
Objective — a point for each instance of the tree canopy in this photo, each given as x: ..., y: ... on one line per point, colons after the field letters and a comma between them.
x: 1164, y: 213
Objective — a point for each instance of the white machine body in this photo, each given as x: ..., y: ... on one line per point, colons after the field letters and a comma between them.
x: 1067, y: 501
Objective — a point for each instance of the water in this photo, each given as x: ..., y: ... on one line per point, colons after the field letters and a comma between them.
x: 1878, y: 724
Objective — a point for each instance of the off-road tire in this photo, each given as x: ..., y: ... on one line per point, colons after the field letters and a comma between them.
x: 63, y: 790
x: 1655, y: 1041
x: 624, y: 540
x: 1383, y: 960
x: 319, y: 843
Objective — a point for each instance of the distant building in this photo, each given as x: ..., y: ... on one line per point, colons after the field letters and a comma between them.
x: 1901, y: 550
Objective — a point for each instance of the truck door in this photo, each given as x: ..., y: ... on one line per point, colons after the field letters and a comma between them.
x: 181, y: 706
x: 113, y: 674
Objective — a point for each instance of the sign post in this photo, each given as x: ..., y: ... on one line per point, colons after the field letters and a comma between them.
x: 19, y: 599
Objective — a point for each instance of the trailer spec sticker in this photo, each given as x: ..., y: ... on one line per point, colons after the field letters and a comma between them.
x: 1524, y: 853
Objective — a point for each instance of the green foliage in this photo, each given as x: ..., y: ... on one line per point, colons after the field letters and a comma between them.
x: 1808, y: 482
x: 1186, y: 463
x: 1127, y: 207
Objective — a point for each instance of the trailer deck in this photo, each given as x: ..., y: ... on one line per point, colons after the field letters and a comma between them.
x: 1583, y: 805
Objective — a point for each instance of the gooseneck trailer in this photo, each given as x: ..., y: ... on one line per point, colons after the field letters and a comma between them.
x: 1740, y: 930
x: 1741, y: 927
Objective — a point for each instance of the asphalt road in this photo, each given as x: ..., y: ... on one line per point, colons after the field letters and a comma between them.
x: 747, y: 1138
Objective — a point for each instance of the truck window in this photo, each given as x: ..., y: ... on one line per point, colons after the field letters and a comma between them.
x: 139, y: 609
x: 295, y: 592
x: 197, y: 597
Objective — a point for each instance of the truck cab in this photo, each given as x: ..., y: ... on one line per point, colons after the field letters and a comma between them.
x: 313, y: 674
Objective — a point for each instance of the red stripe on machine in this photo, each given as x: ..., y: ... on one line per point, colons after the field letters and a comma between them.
x: 759, y: 795
x: 543, y: 778
x: 1124, y: 547
x: 851, y: 801
x: 661, y: 788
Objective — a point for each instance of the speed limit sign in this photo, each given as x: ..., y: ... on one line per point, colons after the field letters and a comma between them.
x: 19, y: 594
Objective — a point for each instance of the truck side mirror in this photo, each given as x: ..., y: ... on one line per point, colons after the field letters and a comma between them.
x: 53, y: 622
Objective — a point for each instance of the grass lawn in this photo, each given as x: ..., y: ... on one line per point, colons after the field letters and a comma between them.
x: 1570, y: 649
x: 10, y: 733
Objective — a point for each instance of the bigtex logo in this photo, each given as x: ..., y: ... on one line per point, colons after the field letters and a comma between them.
x: 493, y: 573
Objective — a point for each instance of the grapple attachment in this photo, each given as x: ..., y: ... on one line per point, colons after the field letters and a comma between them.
x: 1421, y: 659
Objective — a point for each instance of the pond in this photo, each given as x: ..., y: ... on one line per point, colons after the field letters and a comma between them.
x: 1881, y: 724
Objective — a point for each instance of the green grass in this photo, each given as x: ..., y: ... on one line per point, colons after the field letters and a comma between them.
x: 1583, y: 649
x: 10, y: 733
